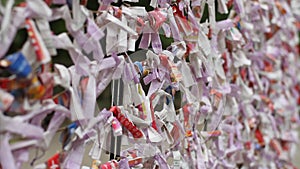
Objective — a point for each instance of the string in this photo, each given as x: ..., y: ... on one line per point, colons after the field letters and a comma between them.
x: 37, y: 157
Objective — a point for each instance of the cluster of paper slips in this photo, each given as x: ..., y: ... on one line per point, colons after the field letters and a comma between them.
x: 220, y: 94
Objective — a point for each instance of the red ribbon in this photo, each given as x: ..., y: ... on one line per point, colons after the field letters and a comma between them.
x: 259, y: 137
x: 136, y: 132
